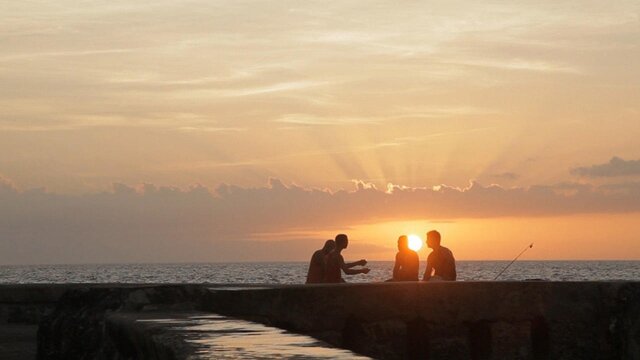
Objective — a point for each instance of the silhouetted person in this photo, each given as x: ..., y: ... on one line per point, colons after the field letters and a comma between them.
x: 316, y: 266
x: 407, y: 262
x: 441, y: 264
x: 335, y: 264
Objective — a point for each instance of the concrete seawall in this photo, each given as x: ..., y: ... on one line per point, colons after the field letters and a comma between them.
x: 478, y: 320
x: 465, y: 320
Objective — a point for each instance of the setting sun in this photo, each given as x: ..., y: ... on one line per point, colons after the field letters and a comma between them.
x: 415, y: 242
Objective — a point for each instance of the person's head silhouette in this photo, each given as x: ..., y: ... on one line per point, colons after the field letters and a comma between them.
x: 342, y: 241
x: 329, y: 245
x: 403, y: 243
x: 433, y: 239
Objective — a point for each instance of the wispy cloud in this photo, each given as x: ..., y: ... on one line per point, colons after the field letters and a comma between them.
x: 345, y: 82
x: 210, y: 129
x: 278, y: 87
x: 309, y: 119
x: 34, y: 55
x: 522, y: 65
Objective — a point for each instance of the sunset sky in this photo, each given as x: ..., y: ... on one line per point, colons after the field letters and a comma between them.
x: 178, y: 131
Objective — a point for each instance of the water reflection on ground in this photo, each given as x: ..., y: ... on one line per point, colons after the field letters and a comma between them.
x: 219, y: 337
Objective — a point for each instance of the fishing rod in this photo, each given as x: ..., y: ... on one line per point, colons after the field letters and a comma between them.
x: 512, y: 261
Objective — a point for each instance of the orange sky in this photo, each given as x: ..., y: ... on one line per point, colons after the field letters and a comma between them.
x: 341, y: 102
x: 583, y: 237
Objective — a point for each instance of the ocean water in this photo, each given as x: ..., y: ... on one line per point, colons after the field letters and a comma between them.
x: 295, y: 272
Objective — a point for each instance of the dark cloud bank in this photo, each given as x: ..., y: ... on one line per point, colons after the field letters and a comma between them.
x: 151, y: 223
x: 615, y: 167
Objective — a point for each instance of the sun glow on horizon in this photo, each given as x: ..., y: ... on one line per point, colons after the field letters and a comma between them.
x: 415, y: 242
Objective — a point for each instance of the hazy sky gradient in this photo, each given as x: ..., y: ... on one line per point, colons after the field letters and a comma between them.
x: 541, y: 98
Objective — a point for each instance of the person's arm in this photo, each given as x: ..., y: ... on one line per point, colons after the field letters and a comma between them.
x: 428, y: 271
x: 355, y: 271
x: 362, y: 262
x: 316, y: 268
x: 455, y: 273
x: 349, y: 271
x: 396, y: 268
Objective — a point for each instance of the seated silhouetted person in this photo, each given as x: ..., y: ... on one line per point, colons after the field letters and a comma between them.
x: 441, y: 265
x: 407, y: 262
x: 316, y: 266
x: 335, y: 265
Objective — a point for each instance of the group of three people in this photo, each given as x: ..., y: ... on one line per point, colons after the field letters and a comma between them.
x: 327, y: 264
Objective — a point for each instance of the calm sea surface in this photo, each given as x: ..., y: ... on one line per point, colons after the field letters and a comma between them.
x: 295, y: 272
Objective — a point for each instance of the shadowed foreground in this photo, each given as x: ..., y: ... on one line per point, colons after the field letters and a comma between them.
x: 465, y: 320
